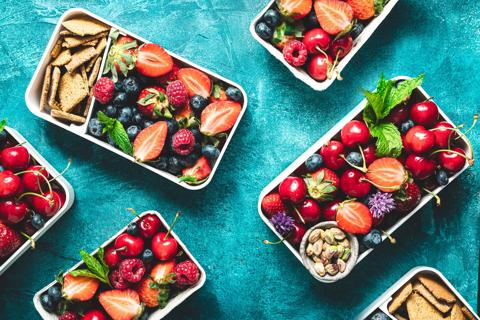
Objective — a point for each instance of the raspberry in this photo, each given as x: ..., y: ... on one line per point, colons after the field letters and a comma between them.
x: 295, y: 52
x: 187, y: 273
x: 67, y: 315
x: 117, y: 280
x: 132, y: 270
x: 103, y: 90
x: 169, y: 77
x: 177, y: 94
x: 183, y: 142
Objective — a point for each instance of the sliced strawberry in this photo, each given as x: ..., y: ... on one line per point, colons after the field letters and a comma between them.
x: 160, y: 272
x: 150, y: 141
x: 354, y: 217
x: 219, y: 117
x: 153, y: 60
x: 296, y: 9
x: 196, y: 174
x: 334, y: 16
x: 196, y: 82
x: 387, y: 174
x: 79, y: 288
x: 121, y: 304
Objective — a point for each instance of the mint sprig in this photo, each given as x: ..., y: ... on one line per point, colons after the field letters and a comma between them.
x: 96, y: 267
x: 116, y: 132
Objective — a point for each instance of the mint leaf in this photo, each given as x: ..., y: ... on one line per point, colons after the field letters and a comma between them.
x: 3, y: 123
x: 402, y: 92
x: 85, y: 273
x: 100, y: 257
x: 106, y: 120
x: 116, y: 132
x: 389, y: 140
x: 95, y: 268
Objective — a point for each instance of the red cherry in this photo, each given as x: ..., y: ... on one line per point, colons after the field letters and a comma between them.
x: 342, y: 47
x: 9, y: 184
x: 399, y: 114
x: 316, y: 39
x: 94, y: 315
x: 164, y: 247
x: 419, y: 140
x: 310, y: 211
x: 15, y: 158
x: 352, y: 183
x: 442, y: 133
x: 331, y: 153
x: 149, y: 225
x: 296, y: 235
x: 112, y: 257
x: 355, y: 132
x: 420, y: 167
x: 452, y: 161
x: 406, y: 146
x: 318, y: 67
x: 32, y: 178
x: 330, y: 210
x: 48, y: 204
x: 424, y: 113
x: 12, y: 211
x: 369, y: 152
x: 128, y: 245
x: 293, y: 189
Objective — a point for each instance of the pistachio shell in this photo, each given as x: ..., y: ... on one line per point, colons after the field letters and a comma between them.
x: 331, y: 269
x: 314, y: 235
x: 338, y: 234
x: 319, y: 269
x: 309, y: 250
x: 346, y: 254
x: 329, y: 237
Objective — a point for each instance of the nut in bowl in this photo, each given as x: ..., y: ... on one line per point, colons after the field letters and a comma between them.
x: 328, y: 253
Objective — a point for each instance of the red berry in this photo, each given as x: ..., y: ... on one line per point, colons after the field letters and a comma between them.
x: 103, y: 90
x: 316, y: 39
x: 48, y: 205
x: 164, y: 248
x: 424, y: 113
x: 319, y: 67
x: 15, y: 158
x: 187, y: 274
x: 169, y: 77
x: 292, y: 189
x: 149, y: 225
x: 111, y: 257
x: 132, y: 270
x: 10, y: 240
x: 13, y: 211
x: 183, y: 142
x: 419, y: 140
x: 355, y: 132
x: 94, y: 315
x: 452, y: 161
x: 354, y: 217
x: 128, y: 245
x: 295, y: 53
x: 387, y: 174
x: 35, y: 178
x: 322, y: 185
x: 9, y: 184
x: 408, y: 197
x: 153, y: 103
x: 442, y: 132
x: 331, y: 154
x: 68, y: 315
x: 353, y: 185
x: 399, y: 114
x: 420, y: 167
x: 177, y: 94
x: 342, y: 47
x: 272, y: 204
x: 296, y: 235
x: 369, y: 153
x: 310, y: 211
x: 117, y: 281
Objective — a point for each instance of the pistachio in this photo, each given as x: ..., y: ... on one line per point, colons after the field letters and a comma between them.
x: 341, y: 265
x: 346, y: 254
x: 329, y: 237
x: 319, y: 269
x: 325, y: 246
x: 345, y: 243
x: 340, y: 250
x: 317, y: 247
x: 322, y: 234
x: 318, y: 259
x: 338, y: 234
x: 309, y: 250
x: 314, y: 235
x: 331, y: 269
x: 331, y: 251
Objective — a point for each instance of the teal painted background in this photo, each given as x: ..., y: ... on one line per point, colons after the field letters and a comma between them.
x: 220, y: 225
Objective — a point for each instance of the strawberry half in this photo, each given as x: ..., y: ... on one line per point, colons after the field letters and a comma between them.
x: 79, y: 288
x: 121, y: 304
x: 196, y: 82
x: 153, y: 60
x: 150, y: 141
x: 161, y: 270
x: 387, y: 174
x: 334, y: 16
x: 354, y: 217
x: 296, y: 9
x: 196, y: 174
x: 219, y: 117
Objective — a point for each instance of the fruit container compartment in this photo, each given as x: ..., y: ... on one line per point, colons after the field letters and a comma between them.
x: 33, y: 93
x: 300, y: 73
x: 382, y: 303
x: 60, y: 183
x: 418, y: 95
x: 173, y: 302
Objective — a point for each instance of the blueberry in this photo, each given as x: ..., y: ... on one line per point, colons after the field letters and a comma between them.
x: 111, y: 111
x: 47, y: 302
x: 311, y: 21
x: 198, y: 103
x: 174, y: 165
x: 132, y: 228
x: 264, y: 31
x: 272, y: 18
x: 37, y: 221
x: 197, y: 134
x: 407, y: 125
x: 133, y: 132
x: 172, y: 126
x: 357, y: 30
x: 379, y: 315
x: 95, y: 127
x: 118, y: 86
x: 138, y: 119
x: 372, y: 239
x: 234, y: 93
x: 314, y: 162
x: 55, y: 293
x: 125, y: 115
x: 161, y: 163
x: 210, y: 151
x: 3, y: 137
x: 120, y: 99
x: 197, y: 147
x: 442, y: 177
x: 355, y: 158
x: 131, y: 86
x: 147, y: 123
x: 191, y: 159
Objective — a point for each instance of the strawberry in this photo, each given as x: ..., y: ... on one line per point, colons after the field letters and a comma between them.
x: 322, y: 185
x: 161, y: 270
x: 153, y: 103
x: 362, y: 9
x: 121, y: 56
x: 10, y: 240
x: 150, y: 141
x: 407, y: 197
x: 121, y: 304
x: 187, y: 274
x: 169, y: 77
x: 387, y: 174
x: 148, y: 292
x: 79, y: 288
x: 185, y: 113
x: 153, y: 60
x: 295, y: 9
x: 219, y: 94
x: 198, y: 173
x: 354, y: 217
x: 196, y: 82
x: 272, y: 204
x: 219, y: 117
x: 334, y: 16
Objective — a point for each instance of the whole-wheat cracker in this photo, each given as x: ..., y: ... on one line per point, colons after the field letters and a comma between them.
x: 440, y: 291
x: 467, y: 313
x: 57, y: 48
x: 63, y: 58
x: 94, y: 74
x: 79, y: 58
x: 92, y: 43
x: 85, y: 26
x: 457, y: 313
x: 45, y: 87
x: 84, y: 74
x: 75, y: 41
x: 67, y: 116
x: 54, y: 87
x: 98, y: 51
x: 419, y: 308
x: 400, y: 297
x: 440, y: 305
x: 72, y: 90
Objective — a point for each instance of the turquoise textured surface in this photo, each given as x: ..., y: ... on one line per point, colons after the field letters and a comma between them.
x: 220, y: 225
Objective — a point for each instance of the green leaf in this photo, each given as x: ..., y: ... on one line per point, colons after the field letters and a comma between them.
x: 59, y: 277
x: 92, y: 263
x: 85, y: 273
x: 389, y: 140
x: 106, y: 120
x: 369, y: 115
x: 379, y: 4
x: 402, y: 92
x: 375, y: 103
x: 3, y: 123
x: 120, y: 137
x: 100, y: 257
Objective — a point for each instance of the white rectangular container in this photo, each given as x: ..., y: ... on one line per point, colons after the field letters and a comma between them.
x: 383, y: 301
x: 302, y: 74
x: 32, y: 97
x: 160, y: 313
x: 66, y: 187
x: 327, y: 137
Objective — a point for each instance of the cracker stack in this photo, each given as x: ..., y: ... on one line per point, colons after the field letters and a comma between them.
x: 74, y: 66
x: 427, y: 298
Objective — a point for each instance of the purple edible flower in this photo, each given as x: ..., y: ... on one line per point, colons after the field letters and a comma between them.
x: 282, y: 223
x: 381, y: 203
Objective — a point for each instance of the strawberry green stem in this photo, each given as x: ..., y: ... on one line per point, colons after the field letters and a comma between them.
x: 177, y: 215
x: 32, y: 242
x: 438, y: 201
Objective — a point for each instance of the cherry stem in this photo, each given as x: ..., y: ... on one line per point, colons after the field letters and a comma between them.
x: 469, y: 160
x: 63, y: 171
x: 335, y: 63
x: 50, y: 202
x: 389, y: 236
x: 298, y: 214
x: 32, y: 242
x: 274, y: 242
x: 35, y: 172
x: 364, y: 164
x: 438, y: 201
x: 475, y: 120
x: 131, y: 210
x: 20, y: 144
x: 428, y: 99
x: 177, y: 215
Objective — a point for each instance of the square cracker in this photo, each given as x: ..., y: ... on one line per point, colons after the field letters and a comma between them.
x: 45, y: 87
x: 84, y: 25
x: 419, y: 308
x: 67, y: 116
x: 440, y: 291
x: 457, y: 313
x: 440, y: 305
x: 75, y: 41
x: 400, y: 297
x: 72, y: 90
x: 54, y: 87
x: 62, y: 58
x: 57, y: 48
x: 102, y: 43
x: 79, y: 58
